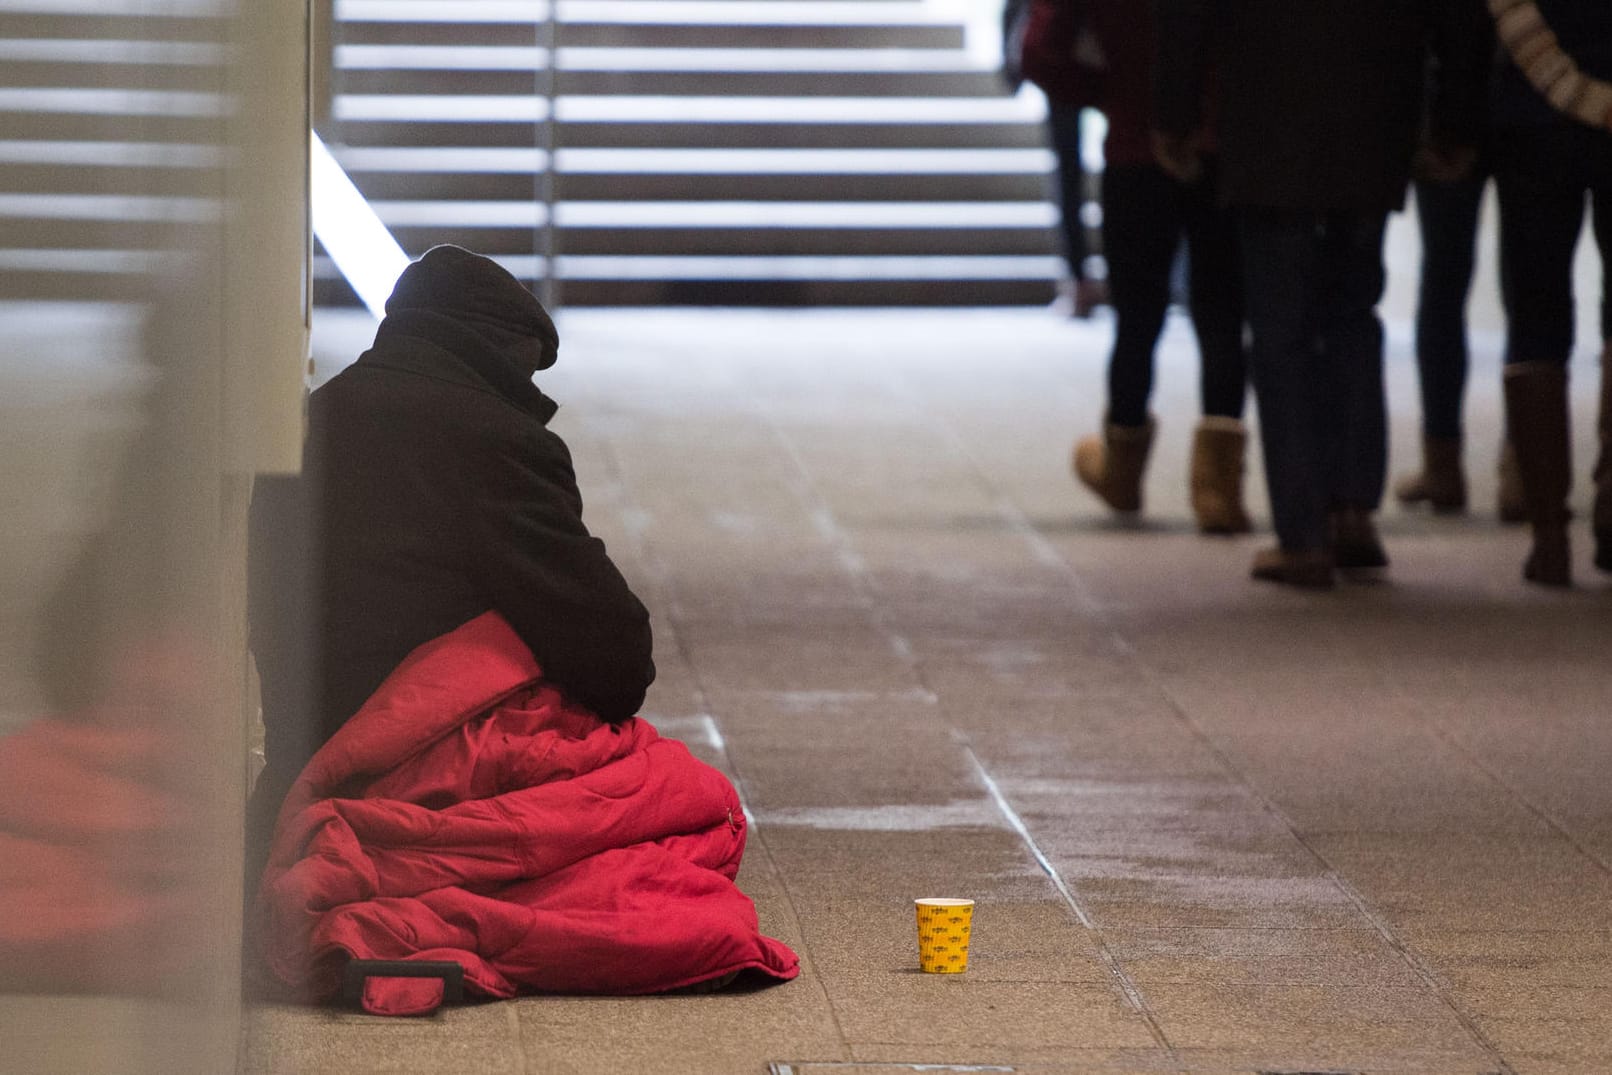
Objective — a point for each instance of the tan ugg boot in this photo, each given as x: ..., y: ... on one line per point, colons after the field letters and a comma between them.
x: 1511, y: 505
x: 1536, y: 414
x: 1112, y: 465
x: 1440, y: 484
x: 1218, y: 445
x: 1601, y: 517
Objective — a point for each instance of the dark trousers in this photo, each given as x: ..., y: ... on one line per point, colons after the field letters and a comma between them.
x: 1145, y: 216
x: 1543, y: 175
x: 1448, y: 214
x: 1313, y: 280
x: 1063, y: 127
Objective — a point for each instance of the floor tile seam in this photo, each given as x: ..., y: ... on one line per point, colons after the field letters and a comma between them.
x: 660, y: 579
x: 1127, y: 985
x: 1043, y: 549
x: 824, y: 518
x: 822, y: 514
x: 523, y: 1057
x: 1447, y: 735
x: 1048, y: 555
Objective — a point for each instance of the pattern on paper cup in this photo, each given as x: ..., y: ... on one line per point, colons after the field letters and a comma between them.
x: 943, y: 933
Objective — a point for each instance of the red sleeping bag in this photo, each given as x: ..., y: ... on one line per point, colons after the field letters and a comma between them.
x: 469, y: 813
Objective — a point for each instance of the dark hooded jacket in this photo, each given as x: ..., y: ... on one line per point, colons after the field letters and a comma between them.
x: 1322, y: 101
x: 433, y: 491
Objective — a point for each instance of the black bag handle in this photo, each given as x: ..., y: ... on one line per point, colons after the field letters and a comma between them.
x: 359, y: 971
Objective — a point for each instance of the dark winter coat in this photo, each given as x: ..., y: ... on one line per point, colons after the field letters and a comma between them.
x: 433, y: 492
x: 1322, y: 101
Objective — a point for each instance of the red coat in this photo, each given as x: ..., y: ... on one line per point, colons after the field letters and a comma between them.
x: 468, y: 813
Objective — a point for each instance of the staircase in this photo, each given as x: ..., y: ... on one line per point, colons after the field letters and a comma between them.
x: 720, y: 152
x: 111, y: 146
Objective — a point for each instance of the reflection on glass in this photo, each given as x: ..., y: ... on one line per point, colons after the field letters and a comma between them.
x: 121, y: 495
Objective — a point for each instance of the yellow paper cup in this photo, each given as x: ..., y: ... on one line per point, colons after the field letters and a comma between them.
x: 943, y: 930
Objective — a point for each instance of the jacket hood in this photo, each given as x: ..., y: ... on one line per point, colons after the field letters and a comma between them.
x: 456, y: 283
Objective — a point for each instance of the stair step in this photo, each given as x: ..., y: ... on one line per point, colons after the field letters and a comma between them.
x: 835, y: 161
x: 1025, y: 135
x: 106, y: 284
x: 62, y: 125
x: 715, y: 242
x: 524, y: 213
x: 53, y: 179
x: 643, y: 12
x: 149, y: 25
x: 57, y: 233
x: 527, y: 59
x: 832, y: 110
x: 696, y: 136
x: 658, y: 35
x: 421, y: 186
x: 926, y: 84
x: 815, y: 293
x: 52, y: 74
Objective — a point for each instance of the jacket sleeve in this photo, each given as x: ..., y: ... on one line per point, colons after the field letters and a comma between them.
x: 1182, y: 29
x: 553, y: 581
x: 1537, y: 53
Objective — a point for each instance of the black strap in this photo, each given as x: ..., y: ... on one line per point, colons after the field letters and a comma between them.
x: 359, y: 971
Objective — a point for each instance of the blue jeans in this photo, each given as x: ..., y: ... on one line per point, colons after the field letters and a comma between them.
x: 1312, y: 282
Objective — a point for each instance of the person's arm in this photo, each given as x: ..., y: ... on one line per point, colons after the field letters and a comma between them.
x: 1181, y: 30
x: 554, y: 582
x: 1537, y: 53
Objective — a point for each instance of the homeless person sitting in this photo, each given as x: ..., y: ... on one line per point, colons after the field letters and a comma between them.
x: 452, y: 664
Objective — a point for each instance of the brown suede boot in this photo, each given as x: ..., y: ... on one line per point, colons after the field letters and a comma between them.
x: 1602, y: 516
x: 1536, y: 414
x: 1217, y: 476
x: 1511, y: 505
x: 1441, y: 484
x: 1112, y: 465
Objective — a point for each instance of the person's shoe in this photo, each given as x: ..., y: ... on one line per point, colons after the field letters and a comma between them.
x: 1511, y: 505
x: 1440, y: 484
x: 1088, y: 295
x: 1355, y: 543
x: 1217, y: 476
x: 1112, y: 465
x: 1309, y: 569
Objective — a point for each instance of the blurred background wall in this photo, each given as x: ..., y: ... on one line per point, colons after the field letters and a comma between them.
x: 153, y: 326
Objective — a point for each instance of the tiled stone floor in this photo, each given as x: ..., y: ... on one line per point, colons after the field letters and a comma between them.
x: 1363, y: 831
